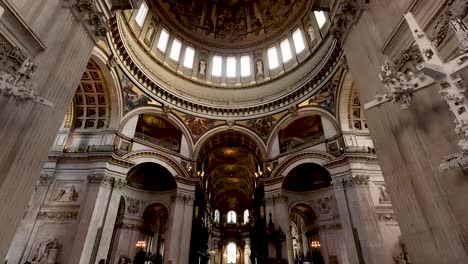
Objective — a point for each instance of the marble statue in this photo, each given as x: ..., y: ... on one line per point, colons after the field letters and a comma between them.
x: 259, y: 67
x: 150, y: 34
x: 384, y: 197
x: 311, y: 32
x: 202, y: 67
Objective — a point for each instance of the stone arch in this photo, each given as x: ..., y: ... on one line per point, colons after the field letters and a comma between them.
x: 149, y: 176
x: 96, y: 103
x: 129, y: 122
x: 306, y: 177
x: 253, y: 137
x: 288, y: 164
x: 177, y: 170
x: 350, y: 110
x: 328, y: 122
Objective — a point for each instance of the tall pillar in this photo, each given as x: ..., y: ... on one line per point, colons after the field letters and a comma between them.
x: 339, y: 183
x: 430, y: 205
x: 97, y: 221
x: 186, y: 229
x: 177, y: 246
x: 48, y: 34
x: 109, y: 223
x: 282, y: 220
x: 365, y: 218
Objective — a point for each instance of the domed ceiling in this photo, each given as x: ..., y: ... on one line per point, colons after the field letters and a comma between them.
x: 231, y: 23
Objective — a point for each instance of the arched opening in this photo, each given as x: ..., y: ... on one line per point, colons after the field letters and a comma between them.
x: 153, y: 232
x: 158, y: 131
x: 231, y: 217
x: 228, y: 164
x: 151, y: 177
x: 231, y: 252
x: 90, y: 108
x: 305, y: 235
x: 307, y: 177
x: 304, y: 180
x: 300, y: 132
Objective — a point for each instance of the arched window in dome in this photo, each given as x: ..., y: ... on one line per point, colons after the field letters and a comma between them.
x: 245, y: 66
x: 231, y: 253
x: 273, y: 58
x: 231, y: 217
x: 216, y: 216
x: 217, y: 66
x: 285, y: 50
x: 175, y: 50
x: 321, y: 18
x: 188, y: 58
x: 246, y: 216
x: 163, y: 39
x: 298, y: 41
x: 141, y: 14
x: 231, y: 67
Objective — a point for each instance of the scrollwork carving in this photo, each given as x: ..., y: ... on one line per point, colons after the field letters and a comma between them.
x: 16, y: 76
x: 93, y: 20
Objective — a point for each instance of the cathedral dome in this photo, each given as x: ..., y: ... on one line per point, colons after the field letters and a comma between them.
x: 226, y: 59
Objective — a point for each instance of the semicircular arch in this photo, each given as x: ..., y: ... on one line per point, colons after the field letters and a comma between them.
x: 330, y: 126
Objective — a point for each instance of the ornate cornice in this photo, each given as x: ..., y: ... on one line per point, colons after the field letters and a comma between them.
x: 57, y: 215
x: 387, y: 217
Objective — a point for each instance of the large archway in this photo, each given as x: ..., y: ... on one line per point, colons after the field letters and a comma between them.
x: 151, y: 177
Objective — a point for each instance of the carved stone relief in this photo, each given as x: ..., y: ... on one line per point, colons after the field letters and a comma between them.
x: 45, y: 252
x: 134, y: 205
x: 57, y: 215
x: 65, y: 192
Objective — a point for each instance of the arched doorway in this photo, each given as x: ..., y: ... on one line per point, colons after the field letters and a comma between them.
x: 305, y: 181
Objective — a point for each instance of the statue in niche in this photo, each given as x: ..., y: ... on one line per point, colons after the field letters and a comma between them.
x: 311, y: 32
x: 46, y: 252
x: 149, y: 36
x: 67, y: 194
x: 202, y: 67
x: 383, y: 195
x: 259, y: 64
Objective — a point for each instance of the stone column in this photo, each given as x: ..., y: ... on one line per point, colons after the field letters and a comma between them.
x: 430, y: 205
x: 365, y: 218
x: 97, y: 220
x: 109, y: 224
x: 184, y: 247
x: 176, y: 249
x: 282, y: 221
x: 339, y: 184
x: 304, y: 243
x: 48, y: 34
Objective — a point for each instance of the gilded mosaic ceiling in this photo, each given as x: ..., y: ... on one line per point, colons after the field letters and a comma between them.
x: 231, y: 21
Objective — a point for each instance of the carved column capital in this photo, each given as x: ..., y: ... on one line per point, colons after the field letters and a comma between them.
x: 95, y: 178
x: 87, y: 12
x: 360, y: 180
x: 347, y: 13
